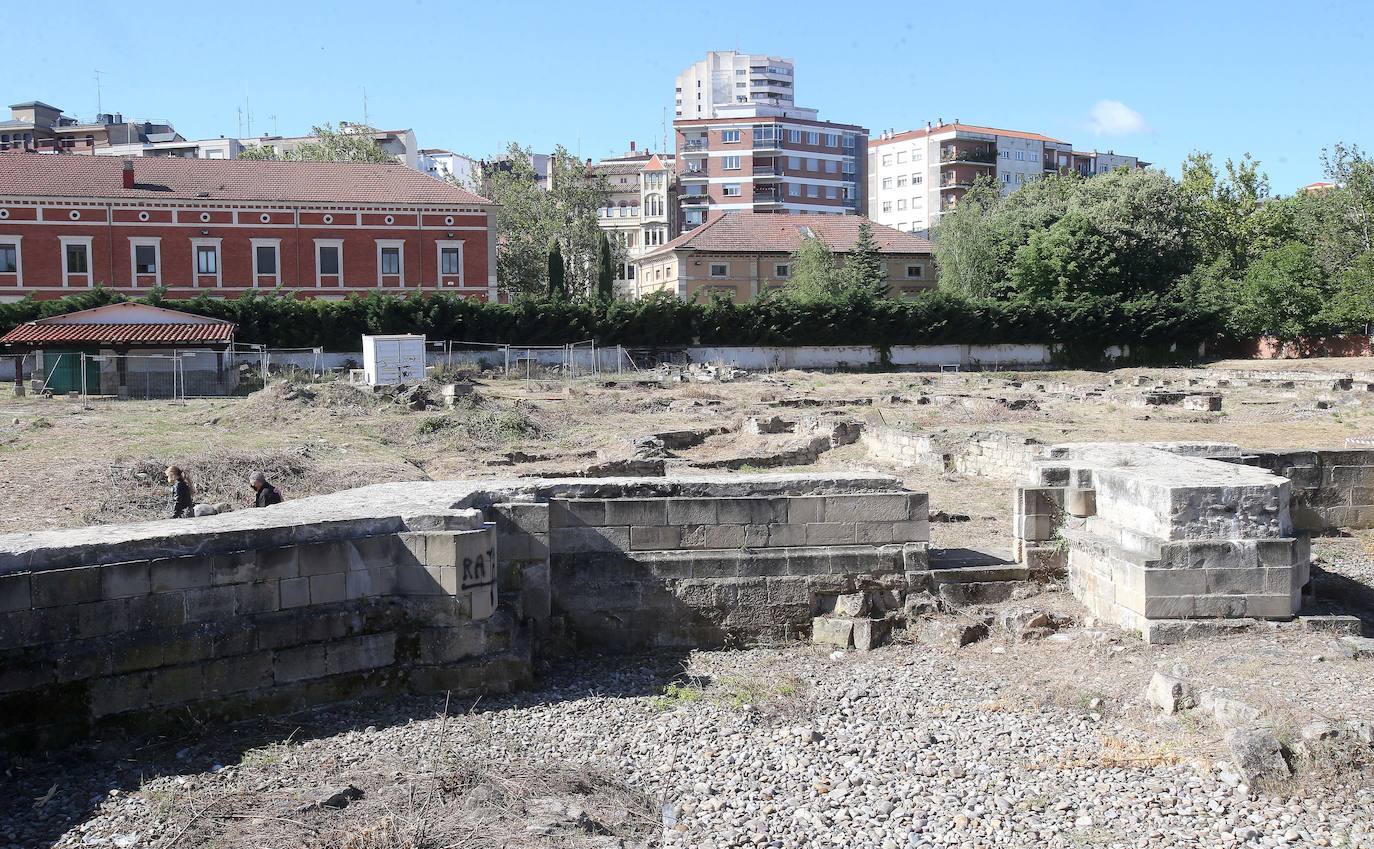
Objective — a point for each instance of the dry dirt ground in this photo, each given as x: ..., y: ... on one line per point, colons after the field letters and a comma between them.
x: 419, y: 762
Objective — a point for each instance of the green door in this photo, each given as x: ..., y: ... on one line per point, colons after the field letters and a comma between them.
x: 62, y: 372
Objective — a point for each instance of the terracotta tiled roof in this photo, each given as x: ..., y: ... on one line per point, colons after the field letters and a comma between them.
x: 655, y: 164
x: 968, y: 128
x: 167, y: 178
x: 766, y: 232
x: 119, y: 334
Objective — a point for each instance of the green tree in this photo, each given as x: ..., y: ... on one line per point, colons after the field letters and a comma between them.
x: 864, y: 269
x: 351, y: 143
x: 1282, y: 295
x: 1070, y: 259
x: 965, y: 249
x: 605, y: 269
x: 815, y: 275
x: 557, y: 286
x: 528, y: 216
x: 1347, y: 210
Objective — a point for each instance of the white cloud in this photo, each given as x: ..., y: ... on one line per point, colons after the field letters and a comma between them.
x: 1114, y: 118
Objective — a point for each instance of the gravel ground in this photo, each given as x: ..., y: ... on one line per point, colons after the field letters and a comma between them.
x: 908, y: 746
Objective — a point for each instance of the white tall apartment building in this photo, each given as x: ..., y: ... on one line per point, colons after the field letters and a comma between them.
x: 915, y: 176
x: 725, y: 77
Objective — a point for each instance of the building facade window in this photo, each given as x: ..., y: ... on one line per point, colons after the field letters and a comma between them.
x: 813, y: 137
x: 729, y: 136
x: 731, y: 163
x: 720, y: 269
x: 901, y: 204
x: 145, y: 256
x: 914, y: 272
x: 76, y: 258
x: 328, y: 259
x: 901, y: 181
x: 832, y: 140
x: 782, y: 269
x: 450, y: 261
x: 11, y: 262
x: 901, y: 157
x: 207, y: 260
x: 813, y: 190
x: 732, y: 190
x: 887, y: 182
x: 887, y: 206
x: 887, y: 159
x: 389, y: 260
x: 794, y: 136
x: 831, y: 166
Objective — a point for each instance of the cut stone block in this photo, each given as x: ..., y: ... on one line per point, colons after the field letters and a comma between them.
x: 832, y: 632
x: 1080, y: 503
x: 1170, y: 694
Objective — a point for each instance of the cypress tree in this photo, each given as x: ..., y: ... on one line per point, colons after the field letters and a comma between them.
x: 605, y: 269
x: 557, y: 288
x: 864, y: 266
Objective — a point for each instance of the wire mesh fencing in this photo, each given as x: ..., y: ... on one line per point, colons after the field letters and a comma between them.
x: 173, y: 375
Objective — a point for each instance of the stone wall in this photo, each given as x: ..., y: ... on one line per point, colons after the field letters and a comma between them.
x: 1154, y: 537
x: 409, y: 586
x: 699, y: 562
x: 985, y: 453
x: 227, y: 634
x: 1331, y: 488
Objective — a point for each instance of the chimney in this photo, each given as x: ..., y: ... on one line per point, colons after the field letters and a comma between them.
x: 927, y: 125
x: 128, y: 173
x: 632, y: 147
x: 939, y: 122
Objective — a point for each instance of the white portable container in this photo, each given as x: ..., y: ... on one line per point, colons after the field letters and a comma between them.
x: 388, y: 360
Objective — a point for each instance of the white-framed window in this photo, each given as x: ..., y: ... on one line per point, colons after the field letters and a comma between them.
x: 729, y: 136
x: 205, y: 259
x: 917, y: 178
x: 450, y: 260
x: 732, y: 190
x: 813, y: 190
x: 901, y: 225
x: 12, y: 258
x: 901, y: 204
x: 794, y: 136
x: 391, y: 260
x: 794, y: 189
x: 76, y: 258
x: 1034, y: 157
x: 782, y: 269
x: 832, y: 192
x: 720, y: 269
x: 887, y: 206
x: 849, y: 141
x: 1021, y: 155
x: 887, y: 182
x: 145, y: 257
x: 813, y: 137
x: 849, y: 167
x: 901, y: 181
x: 266, y: 260
x: 831, y: 166
x: 887, y: 159
x: 329, y: 259
x: 731, y: 163
x: 812, y: 164
x: 832, y: 140
x: 901, y: 157
x: 914, y: 272
x: 1006, y: 154
x: 917, y: 155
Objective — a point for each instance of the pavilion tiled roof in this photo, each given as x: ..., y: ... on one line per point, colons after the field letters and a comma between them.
x: 173, y: 178
x: 35, y: 333
x: 766, y: 232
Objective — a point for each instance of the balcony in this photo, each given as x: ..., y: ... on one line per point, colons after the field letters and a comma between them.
x: 767, y: 144
x: 956, y: 181
x: 767, y: 196
x: 695, y: 200
x: 694, y: 144
x: 691, y: 175
x: 968, y: 155
x: 767, y: 172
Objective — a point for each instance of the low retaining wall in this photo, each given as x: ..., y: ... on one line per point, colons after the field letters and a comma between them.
x: 1331, y: 488
x: 985, y: 453
x: 422, y: 586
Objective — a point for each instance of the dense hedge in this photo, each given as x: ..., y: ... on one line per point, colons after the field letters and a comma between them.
x: 935, y: 318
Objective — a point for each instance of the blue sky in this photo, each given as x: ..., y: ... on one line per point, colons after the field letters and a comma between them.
x: 1279, y: 80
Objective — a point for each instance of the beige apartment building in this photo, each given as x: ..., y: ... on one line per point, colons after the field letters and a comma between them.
x: 725, y: 77
x: 743, y: 254
x: 641, y: 212
x: 768, y: 159
x: 915, y: 176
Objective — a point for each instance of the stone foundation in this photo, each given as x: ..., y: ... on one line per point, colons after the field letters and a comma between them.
x: 423, y: 586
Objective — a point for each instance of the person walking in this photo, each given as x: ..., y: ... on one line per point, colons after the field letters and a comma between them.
x: 179, y: 497
x: 267, y: 494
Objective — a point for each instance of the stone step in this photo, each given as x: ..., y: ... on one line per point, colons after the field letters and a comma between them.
x: 995, y: 592
x: 979, y: 574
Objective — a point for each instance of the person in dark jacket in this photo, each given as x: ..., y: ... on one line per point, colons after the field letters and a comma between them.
x: 180, y: 500
x: 267, y: 494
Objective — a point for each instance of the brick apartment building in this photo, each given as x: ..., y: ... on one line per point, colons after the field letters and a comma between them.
x: 226, y: 227
x: 915, y: 176
x: 743, y: 254
x: 761, y: 158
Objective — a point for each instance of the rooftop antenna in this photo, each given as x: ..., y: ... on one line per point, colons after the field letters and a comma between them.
x: 239, y: 110
x: 99, y: 107
x: 366, y: 123
x: 248, y: 114
x: 274, y: 124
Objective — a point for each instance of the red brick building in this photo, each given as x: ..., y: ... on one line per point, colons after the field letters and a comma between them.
x: 226, y: 227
